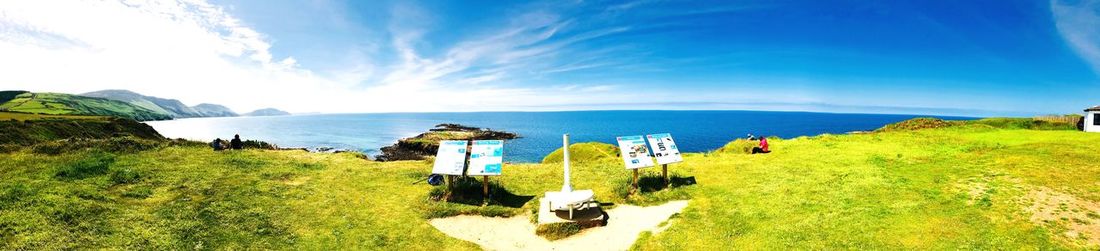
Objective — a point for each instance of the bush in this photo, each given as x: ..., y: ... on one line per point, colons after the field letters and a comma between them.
x: 652, y: 189
x: 119, y: 144
x: 557, y: 231
x: 125, y: 176
x: 584, y: 152
x: 916, y: 124
x: 467, y: 198
x: 12, y: 193
x: 742, y: 146
x: 95, y: 164
x: 1024, y: 123
x: 50, y: 148
x: 256, y: 144
x: 138, y: 192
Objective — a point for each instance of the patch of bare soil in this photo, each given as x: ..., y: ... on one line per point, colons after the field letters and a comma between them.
x: 518, y: 233
x: 1080, y: 218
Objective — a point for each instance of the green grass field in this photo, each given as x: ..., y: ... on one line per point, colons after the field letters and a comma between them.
x: 30, y: 116
x: 961, y: 187
x: 66, y: 104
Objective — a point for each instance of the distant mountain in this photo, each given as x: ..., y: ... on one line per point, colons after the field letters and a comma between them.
x: 267, y: 112
x: 172, y: 107
x: 212, y: 110
x: 58, y: 103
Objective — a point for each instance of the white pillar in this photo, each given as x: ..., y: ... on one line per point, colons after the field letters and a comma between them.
x: 566, y: 186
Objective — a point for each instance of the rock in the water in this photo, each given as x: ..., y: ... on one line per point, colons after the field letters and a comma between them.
x: 426, y: 144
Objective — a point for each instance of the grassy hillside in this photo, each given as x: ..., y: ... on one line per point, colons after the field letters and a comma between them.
x: 213, y: 110
x: 1003, y: 123
x: 6, y: 96
x: 584, y: 152
x: 959, y: 187
x: 65, y: 104
x: 29, y: 129
x: 172, y: 107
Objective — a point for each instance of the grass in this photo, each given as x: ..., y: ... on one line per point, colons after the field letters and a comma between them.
x: 66, y: 104
x: 584, y: 152
x: 18, y: 116
x: 902, y: 189
x: 31, y: 129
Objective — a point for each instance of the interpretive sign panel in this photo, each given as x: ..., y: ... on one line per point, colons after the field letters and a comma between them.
x: 635, y: 153
x: 664, y: 148
x: 486, y: 157
x: 451, y: 157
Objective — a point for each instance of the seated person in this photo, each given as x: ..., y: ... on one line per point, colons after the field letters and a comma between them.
x: 217, y: 144
x: 763, y: 148
x: 236, y: 143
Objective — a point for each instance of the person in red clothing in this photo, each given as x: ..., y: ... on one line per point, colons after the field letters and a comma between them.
x: 763, y: 148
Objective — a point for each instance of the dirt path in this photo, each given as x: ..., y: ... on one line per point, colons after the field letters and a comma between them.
x: 518, y: 233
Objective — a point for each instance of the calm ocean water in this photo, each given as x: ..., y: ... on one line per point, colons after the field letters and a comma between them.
x: 694, y: 131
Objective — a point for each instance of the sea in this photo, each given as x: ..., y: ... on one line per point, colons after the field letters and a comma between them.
x: 540, y: 132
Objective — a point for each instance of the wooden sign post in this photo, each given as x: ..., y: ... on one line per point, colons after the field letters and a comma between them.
x: 486, y: 159
x: 666, y: 152
x: 664, y: 173
x: 450, y: 187
x: 485, y: 186
x: 450, y: 162
x: 635, y: 180
x: 635, y: 155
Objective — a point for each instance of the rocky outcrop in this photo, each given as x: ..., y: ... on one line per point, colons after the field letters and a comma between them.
x: 426, y: 144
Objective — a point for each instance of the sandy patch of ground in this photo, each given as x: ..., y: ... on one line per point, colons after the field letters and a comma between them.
x: 624, y: 224
x: 1075, y: 219
x: 1081, y: 218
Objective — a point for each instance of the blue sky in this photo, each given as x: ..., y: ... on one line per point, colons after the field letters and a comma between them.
x: 933, y: 57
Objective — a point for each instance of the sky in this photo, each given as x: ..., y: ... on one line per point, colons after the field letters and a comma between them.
x: 973, y: 58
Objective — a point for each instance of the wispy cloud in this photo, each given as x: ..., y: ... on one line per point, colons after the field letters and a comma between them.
x: 188, y: 49
x: 529, y: 59
x: 1079, y: 24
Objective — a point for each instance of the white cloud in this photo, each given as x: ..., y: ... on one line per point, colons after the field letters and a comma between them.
x: 1079, y: 24
x: 199, y: 53
x: 188, y: 49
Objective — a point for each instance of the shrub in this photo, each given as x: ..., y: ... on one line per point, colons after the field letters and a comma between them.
x: 584, y: 152
x: 256, y: 144
x: 916, y: 124
x: 118, y: 144
x: 743, y: 146
x: 652, y: 189
x: 467, y: 198
x: 49, y: 148
x: 557, y: 231
x: 138, y: 192
x: 1025, y: 123
x: 95, y: 164
x: 12, y: 193
x: 125, y: 176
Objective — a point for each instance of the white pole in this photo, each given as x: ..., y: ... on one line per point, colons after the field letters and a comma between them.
x: 566, y: 186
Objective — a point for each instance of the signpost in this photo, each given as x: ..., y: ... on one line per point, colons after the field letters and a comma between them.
x: 486, y: 159
x: 450, y: 160
x: 635, y: 154
x: 665, y: 150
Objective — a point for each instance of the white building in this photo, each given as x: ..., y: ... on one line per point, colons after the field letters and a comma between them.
x: 1092, y: 119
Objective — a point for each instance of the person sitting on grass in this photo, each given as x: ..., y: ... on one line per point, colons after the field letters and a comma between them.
x: 763, y: 148
x: 236, y: 143
x: 217, y: 144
